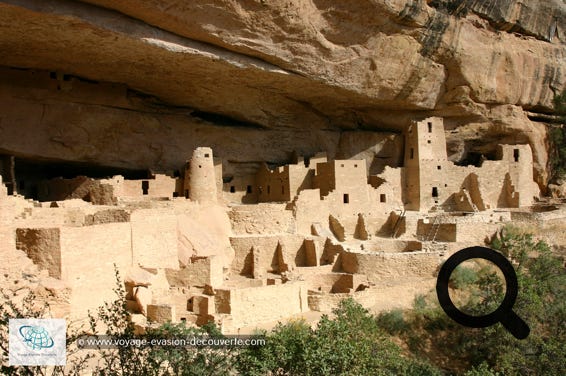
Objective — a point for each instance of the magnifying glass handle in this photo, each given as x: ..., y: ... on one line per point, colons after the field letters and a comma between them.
x: 515, y: 325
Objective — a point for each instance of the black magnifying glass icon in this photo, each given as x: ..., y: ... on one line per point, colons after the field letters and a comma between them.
x: 504, y: 313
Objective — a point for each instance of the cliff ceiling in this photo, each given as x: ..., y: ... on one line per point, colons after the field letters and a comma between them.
x: 139, y: 84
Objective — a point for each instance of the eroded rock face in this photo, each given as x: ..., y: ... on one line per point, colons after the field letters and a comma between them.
x: 541, y: 19
x: 257, y: 79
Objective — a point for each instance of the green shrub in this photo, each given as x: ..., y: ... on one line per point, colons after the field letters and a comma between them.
x: 284, y: 352
x: 482, y: 370
x: 462, y: 277
x: 392, y: 321
x: 115, y: 321
x: 160, y: 360
x: 541, y: 302
x: 419, y: 303
x: 352, y: 343
x: 188, y: 361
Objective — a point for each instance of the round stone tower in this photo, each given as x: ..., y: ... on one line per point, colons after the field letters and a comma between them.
x: 202, y: 179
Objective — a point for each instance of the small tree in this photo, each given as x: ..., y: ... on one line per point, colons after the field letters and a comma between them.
x: 31, y: 307
x: 113, y: 320
x: 541, y: 302
x: 160, y: 360
x: 351, y: 343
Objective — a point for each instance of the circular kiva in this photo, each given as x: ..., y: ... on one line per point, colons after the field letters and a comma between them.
x: 486, y: 254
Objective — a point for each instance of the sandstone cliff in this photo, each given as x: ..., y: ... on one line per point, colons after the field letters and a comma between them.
x: 139, y: 84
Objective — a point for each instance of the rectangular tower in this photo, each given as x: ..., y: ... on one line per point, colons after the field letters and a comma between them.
x: 425, y: 160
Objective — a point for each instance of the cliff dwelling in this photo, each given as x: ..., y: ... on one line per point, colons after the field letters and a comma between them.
x: 201, y: 245
x: 245, y: 163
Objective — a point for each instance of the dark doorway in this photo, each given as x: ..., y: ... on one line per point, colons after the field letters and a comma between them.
x: 145, y: 187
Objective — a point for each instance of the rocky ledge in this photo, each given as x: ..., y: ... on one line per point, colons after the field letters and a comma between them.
x: 139, y: 84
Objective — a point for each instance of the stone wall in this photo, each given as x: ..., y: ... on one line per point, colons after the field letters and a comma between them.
x: 154, y: 238
x: 266, y: 250
x: 200, y: 272
x: 344, y: 184
x: 428, y: 230
x: 326, y: 302
x: 478, y: 233
x: 260, y: 304
x: 89, y: 255
x: 160, y: 186
x: 87, y: 189
x: 203, y: 230
x: 388, y: 188
x: 309, y: 209
x: 388, y: 267
x: 329, y: 282
x: 43, y: 247
x: 84, y: 255
x: 432, y: 180
x: 273, y: 185
x: 262, y: 219
x: 241, y: 189
x: 392, y: 245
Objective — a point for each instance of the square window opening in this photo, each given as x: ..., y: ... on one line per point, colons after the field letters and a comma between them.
x: 346, y: 198
x: 382, y: 198
x: 434, y: 192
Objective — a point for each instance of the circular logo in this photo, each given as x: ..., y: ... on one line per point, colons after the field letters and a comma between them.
x: 36, y: 337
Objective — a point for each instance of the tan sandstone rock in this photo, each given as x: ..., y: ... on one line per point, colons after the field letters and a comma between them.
x: 303, y: 70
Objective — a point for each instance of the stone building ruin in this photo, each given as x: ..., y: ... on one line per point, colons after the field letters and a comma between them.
x: 199, y: 246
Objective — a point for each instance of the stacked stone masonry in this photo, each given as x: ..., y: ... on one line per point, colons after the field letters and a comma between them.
x: 259, y: 247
